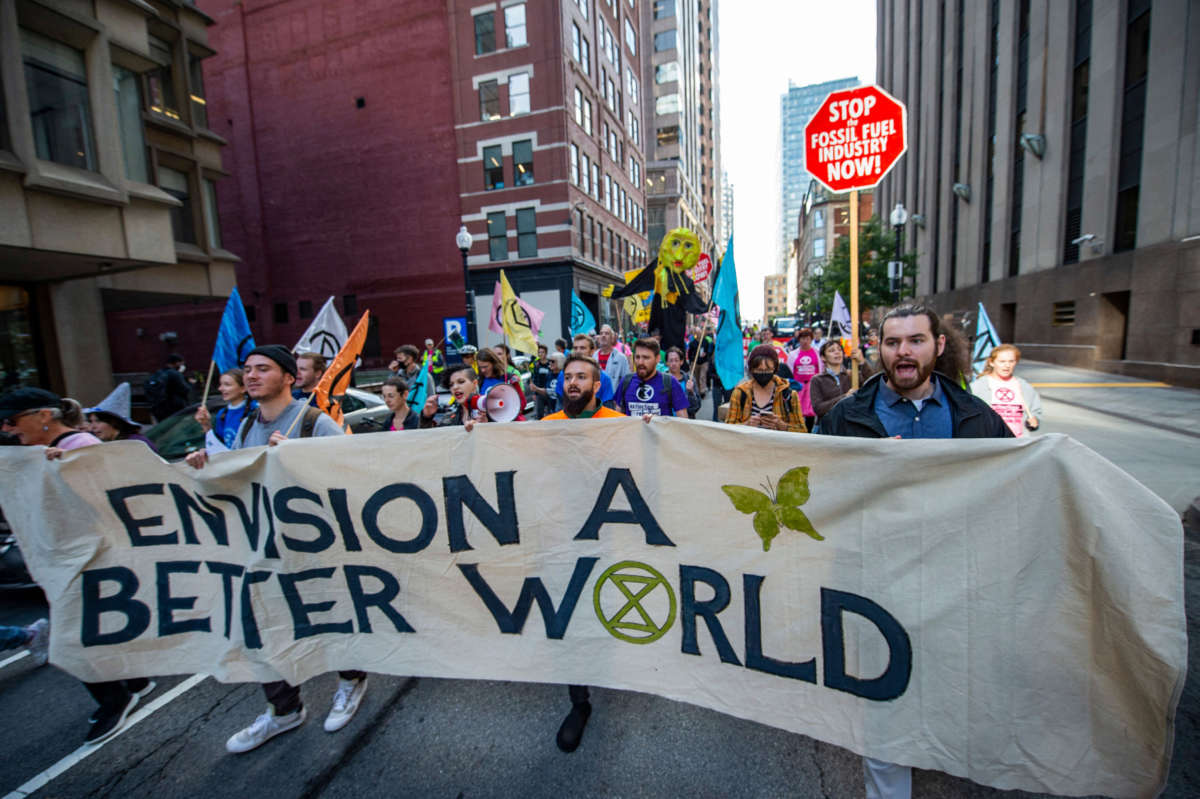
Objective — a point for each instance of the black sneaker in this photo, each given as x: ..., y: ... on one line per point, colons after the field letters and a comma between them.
x: 571, y: 731
x: 140, y: 694
x: 108, y: 721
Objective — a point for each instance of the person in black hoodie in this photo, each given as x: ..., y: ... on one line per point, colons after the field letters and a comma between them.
x: 908, y: 399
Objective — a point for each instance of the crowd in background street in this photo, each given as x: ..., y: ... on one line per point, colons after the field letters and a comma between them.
x: 916, y: 381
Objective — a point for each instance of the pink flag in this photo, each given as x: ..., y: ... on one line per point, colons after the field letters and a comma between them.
x: 497, y: 302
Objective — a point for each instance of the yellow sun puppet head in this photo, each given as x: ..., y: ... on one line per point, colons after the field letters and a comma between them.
x: 679, y: 251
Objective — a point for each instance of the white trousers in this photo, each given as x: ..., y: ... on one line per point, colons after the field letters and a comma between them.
x: 886, y: 780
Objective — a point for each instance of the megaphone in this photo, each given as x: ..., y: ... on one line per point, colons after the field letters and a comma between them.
x: 502, y: 403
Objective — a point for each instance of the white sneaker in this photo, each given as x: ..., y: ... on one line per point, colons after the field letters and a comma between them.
x: 345, y: 703
x: 39, y: 645
x: 264, y: 728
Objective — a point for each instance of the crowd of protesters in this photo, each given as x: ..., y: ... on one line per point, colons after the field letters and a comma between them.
x: 915, y: 382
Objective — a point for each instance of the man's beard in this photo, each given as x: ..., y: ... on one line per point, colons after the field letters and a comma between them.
x: 578, y: 405
x: 922, y: 373
x: 646, y: 374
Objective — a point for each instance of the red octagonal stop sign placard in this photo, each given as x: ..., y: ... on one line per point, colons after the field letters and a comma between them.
x: 855, y: 138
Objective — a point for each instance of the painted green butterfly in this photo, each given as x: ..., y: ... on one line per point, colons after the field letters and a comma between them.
x: 779, y: 506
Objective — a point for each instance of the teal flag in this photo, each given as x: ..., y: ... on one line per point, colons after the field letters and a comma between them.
x: 728, y: 358
x: 420, y: 388
x: 986, y: 339
x: 234, y: 339
x: 582, y: 320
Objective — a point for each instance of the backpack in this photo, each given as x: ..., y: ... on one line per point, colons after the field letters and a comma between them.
x: 155, y: 388
x: 627, y: 380
x: 307, y: 424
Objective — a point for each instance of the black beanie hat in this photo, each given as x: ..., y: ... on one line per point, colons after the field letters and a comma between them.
x: 277, y: 353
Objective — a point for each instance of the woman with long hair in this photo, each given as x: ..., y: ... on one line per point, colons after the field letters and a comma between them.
x: 493, y: 371
x: 1012, y: 397
x: 764, y: 399
x: 228, y: 419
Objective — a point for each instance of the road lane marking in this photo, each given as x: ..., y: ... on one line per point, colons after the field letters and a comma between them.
x: 14, y: 658
x: 86, y: 750
x: 1100, y: 385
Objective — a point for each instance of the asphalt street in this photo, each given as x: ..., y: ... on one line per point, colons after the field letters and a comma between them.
x: 450, y: 738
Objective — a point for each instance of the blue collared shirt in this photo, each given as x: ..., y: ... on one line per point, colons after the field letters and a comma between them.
x: 901, y: 417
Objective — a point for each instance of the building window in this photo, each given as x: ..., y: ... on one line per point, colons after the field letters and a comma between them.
x: 631, y: 85
x: 518, y: 94
x: 304, y: 309
x: 199, y: 103
x: 664, y: 9
x: 1133, y: 121
x: 281, y: 313
x: 594, y: 181
x: 630, y: 37
x: 635, y: 129
x: 251, y: 313
x: 575, y: 164
x: 522, y: 162
x: 608, y: 193
x: 514, y: 25
x: 527, y: 233
x: 161, y: 82
x: 1080, y: 82
x: 485, y: 33
x: 609, y: 46
x: 664, y: 41
x: 177, y: 185
x: 1064, y: 314
x: 667, y: 104
x: 667, y: 73
x: 818, y: 218
x: 610, y: 94
x: 497, y: 237
x: 493, y: 168
x: 818, y: 248
x: 583, y: 7
x: 212, y: 221
x: 127, y: 87
x: 489, y: 100
x: 587, y: 116
x: 587, y: 57
x: 580, y: 49
x: 56, y: 80
x: 350, y: 304
x: 585, y: 174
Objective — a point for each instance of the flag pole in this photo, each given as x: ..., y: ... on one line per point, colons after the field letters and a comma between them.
x: 208, y: 382
x: 704, y: 316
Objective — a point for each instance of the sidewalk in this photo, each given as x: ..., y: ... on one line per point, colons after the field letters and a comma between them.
x: 1155, y: 404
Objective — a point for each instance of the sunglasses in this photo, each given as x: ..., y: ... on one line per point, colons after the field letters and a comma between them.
x: 11, y: 421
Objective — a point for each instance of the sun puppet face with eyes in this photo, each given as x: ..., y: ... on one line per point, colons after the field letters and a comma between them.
x: 679, y: 251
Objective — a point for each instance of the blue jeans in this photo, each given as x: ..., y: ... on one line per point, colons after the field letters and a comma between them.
x: 13, y: 637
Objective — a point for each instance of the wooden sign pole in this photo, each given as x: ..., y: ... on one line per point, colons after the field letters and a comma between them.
x: 853, y: 285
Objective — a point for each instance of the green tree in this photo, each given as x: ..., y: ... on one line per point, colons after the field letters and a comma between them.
x: 876, y: 246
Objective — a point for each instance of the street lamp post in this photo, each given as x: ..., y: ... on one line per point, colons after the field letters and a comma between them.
x: 817, y: 271
x: 463, y: 240
x: 899, y: 218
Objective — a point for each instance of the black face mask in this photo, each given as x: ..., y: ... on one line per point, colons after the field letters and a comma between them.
x: 763, y: 378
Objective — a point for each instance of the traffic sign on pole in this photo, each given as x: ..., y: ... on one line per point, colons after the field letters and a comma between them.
x: 855, y: 138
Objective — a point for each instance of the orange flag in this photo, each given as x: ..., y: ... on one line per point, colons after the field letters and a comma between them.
x: 336, y: 379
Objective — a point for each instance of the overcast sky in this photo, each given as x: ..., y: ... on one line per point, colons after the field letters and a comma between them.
x: 763, y: 44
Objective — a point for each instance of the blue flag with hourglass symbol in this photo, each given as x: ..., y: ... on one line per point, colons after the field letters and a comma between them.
x: 234, y: 339
x: 582, y: 320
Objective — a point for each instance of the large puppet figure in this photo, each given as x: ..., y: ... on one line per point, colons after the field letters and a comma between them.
x: 674, y: 292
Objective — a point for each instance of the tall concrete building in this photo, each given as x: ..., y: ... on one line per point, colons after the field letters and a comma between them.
x: 362, y: 136
x: 795, y: 110
x: 1053, y: 172
x: 725, y: 225
x: 774, y: 296
x: 108, y: 175
x: 681, y: 118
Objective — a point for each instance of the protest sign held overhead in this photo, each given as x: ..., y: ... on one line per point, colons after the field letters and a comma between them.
x: 855, y: 138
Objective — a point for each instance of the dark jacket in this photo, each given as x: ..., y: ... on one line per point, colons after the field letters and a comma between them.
x: 825, y: 390
x: 970, y: 416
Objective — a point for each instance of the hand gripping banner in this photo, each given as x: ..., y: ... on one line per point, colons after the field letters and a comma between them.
x: 1006, y: 611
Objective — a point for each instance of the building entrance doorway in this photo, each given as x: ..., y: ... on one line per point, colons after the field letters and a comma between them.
x: 1114, y: 325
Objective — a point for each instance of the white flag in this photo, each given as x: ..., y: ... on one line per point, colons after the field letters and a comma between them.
x: 326, y: 335
x: 840, y: 315
x: 213, y: 444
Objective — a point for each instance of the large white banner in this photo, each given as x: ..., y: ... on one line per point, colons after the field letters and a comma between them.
x: 1006, y: 611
